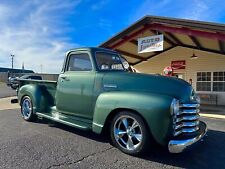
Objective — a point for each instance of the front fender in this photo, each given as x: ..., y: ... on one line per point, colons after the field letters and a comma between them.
x: 154, y: 108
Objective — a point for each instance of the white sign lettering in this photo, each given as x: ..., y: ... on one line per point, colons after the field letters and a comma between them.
x: 150, y: 44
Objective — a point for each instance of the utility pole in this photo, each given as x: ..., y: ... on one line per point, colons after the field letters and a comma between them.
x: 23, y: 67
x: 12, y: 57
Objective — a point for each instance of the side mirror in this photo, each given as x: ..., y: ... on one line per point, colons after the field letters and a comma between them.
x: 126, y: 65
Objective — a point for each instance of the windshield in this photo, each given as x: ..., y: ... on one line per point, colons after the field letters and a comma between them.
x: 108, y: 61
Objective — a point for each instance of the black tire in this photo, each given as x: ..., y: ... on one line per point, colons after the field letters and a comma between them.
x: 27, y: 109
x: 123, y: 137
x: 13, y: 87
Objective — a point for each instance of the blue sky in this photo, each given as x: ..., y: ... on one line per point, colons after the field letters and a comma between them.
x: 40, y: 31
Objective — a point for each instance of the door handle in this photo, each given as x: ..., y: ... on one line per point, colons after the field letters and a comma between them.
x: 65, y: 78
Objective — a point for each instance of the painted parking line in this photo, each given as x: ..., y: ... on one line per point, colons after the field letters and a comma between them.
x: 218, y: 116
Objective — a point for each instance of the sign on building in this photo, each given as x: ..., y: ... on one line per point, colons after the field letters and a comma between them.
x: 178, y: 64
x: 150, y: 44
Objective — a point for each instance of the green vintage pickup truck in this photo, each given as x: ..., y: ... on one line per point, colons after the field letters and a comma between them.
x: 95, y: 91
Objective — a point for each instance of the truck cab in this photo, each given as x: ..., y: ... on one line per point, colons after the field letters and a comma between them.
x: 95, y: 91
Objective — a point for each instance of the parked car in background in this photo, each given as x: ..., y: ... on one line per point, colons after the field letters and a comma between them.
x: 14, y: 82
x: 34, y: 77
x: 11, y: 80
x: 96, y: 92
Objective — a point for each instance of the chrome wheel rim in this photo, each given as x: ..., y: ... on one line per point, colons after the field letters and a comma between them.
x: 128, y: 132
x: 26, y: 108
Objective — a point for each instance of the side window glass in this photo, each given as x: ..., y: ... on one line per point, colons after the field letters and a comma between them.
x: 79, y: 62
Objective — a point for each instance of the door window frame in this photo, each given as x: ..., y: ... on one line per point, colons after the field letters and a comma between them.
x: 77, y: 53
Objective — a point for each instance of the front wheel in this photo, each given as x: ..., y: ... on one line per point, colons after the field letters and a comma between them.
x: 27, y: 109
x: 129, y: 133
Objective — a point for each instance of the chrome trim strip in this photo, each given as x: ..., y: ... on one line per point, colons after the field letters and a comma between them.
x: 190, y: 105
x: 186, y: 124
x: 188, y: 118
x: 177, y: 146
x: 60, y: 121
x: 96, y: 124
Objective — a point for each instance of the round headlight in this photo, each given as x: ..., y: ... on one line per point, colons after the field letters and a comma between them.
x: 194, y: 97
x: 175, y: 107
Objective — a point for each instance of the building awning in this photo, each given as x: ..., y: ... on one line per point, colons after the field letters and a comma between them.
x: 197, y: 35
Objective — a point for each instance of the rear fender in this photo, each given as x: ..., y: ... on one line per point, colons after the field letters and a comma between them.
x: 41, y: 99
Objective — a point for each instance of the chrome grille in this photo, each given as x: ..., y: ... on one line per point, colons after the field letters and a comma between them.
x: 187, y: 119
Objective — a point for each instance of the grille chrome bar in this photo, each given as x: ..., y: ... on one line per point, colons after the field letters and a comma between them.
x: 194, y: 105
x: 187, y: 119
x: 186, y: 130
x: 189, y: 111
x: 186, y: 124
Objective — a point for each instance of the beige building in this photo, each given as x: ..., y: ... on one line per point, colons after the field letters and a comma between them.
x: 197, y: 47
x: 206, y: 63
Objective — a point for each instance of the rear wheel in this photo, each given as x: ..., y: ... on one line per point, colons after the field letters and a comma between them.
x: 129, y: 133
x: 27, y: 109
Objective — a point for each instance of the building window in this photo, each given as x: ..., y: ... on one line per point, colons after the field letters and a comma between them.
x: 203, y: 81
x: 218, y: 81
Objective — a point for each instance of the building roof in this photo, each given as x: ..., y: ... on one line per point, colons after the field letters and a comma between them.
x: 199, y: 35
x: 15, y: 70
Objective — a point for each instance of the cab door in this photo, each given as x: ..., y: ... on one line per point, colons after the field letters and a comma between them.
x: 74, y: 93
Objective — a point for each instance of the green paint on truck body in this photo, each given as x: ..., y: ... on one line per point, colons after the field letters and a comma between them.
x: 91, y: 97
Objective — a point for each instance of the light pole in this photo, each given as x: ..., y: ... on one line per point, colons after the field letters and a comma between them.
x: 23, y: 67
x: 12, y: 57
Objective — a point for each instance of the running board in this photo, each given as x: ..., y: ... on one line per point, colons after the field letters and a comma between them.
x: 76, y: 124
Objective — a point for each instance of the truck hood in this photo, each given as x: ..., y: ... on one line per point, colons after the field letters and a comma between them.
x: 126, y: 81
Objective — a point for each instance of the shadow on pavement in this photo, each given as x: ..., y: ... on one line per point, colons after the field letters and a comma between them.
x: 207, y: 154
x: 88, y: 134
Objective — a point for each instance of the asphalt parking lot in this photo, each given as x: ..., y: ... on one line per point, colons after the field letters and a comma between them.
x: 6, y: 91
x: 40, y: 145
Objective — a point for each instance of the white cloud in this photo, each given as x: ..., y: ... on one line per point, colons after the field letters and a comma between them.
x: 106, y: 25
x: 206, y: 10
x: 34, y: 34
x: 151, y: 7
x: 196, y: 10
x: 4, y: 13
x: 99, y: 5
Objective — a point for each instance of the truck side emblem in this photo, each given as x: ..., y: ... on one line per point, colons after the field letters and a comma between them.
x: 110, y: 86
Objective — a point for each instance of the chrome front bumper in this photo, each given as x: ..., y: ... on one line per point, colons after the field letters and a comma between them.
x: 178, y: 146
